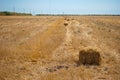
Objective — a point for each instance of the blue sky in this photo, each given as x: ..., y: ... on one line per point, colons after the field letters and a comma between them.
x: 62, y: 6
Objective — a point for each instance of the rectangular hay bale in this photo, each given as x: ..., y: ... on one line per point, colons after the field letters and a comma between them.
x: 89, y: 57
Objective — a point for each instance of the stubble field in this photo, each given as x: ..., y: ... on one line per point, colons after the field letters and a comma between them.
x: 47, y: 47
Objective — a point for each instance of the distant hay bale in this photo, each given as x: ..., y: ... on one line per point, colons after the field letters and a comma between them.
x: 65, y: 23
x: 89, y: 57
x: 68, y: 19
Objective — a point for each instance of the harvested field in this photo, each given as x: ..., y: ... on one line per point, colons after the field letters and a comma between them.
x: 48, y: 47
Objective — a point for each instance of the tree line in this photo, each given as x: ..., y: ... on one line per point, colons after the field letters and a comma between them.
x: 6, y: 13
